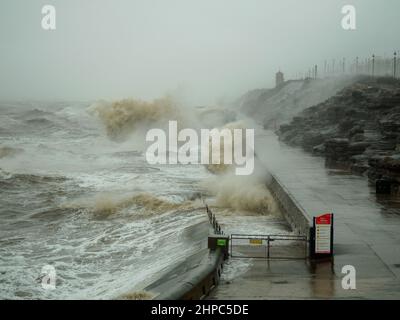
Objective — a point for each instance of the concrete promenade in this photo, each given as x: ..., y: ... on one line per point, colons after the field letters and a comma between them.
x: 367, y: 235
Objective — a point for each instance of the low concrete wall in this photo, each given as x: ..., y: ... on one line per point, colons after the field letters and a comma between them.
x: 294, y: 214
x: 193, y: 284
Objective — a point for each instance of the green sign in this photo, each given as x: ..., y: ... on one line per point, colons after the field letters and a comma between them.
x: 221, y: 242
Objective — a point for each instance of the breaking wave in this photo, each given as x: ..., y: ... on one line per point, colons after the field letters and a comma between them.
x: 40, y: 122
x: 143, y: 204
x: 29, y: 179
x: 242, y: 193
x: 34, y: 113
x: 9, y: 151
x: 226, y: 130
x: 123, y: 117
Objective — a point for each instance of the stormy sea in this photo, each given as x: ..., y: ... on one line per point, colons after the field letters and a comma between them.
x: 77, y: 193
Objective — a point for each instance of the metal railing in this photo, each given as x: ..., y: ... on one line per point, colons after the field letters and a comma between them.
x: 213, y: 221
x: 374, y: 65
x: 260, y: 246
x: 286, y: 246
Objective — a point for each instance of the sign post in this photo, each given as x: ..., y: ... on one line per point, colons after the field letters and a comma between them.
x: 322, y: 236
x: 219, y: 241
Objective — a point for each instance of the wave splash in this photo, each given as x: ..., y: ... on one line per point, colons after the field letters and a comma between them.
x: 142, y: 204
x: 123, y: 117
x: 242, y: 193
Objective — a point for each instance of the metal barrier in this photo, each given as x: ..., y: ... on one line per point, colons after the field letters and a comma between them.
x: 268, y: 246
x: 213, y: 221
x: 273, y: 246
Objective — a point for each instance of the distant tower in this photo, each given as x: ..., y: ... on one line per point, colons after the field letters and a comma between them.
x: 279, y: 78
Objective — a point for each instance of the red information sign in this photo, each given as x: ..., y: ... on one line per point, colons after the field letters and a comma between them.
x: 324, y: 219
x: 323, y: 236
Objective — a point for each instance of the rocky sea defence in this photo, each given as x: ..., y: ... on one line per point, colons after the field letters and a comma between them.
x: 358, y: 129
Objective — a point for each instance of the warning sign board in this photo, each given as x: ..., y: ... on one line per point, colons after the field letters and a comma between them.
x: 323, y: 234
x: 256, y: 241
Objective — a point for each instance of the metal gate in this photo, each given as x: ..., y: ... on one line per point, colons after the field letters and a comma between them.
x: 268, y: 246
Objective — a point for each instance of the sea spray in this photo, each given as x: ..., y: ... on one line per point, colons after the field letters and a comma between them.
x: 223, y: 166
x: 241, y: 193
x: 123, y: 117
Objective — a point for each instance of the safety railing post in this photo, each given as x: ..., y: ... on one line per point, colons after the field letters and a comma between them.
x: 213, y: 221
x: 231, y: 239
x: 305, y: 248
x: 266, y: 252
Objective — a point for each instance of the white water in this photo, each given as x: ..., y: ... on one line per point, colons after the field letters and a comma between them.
x: 91, y: 207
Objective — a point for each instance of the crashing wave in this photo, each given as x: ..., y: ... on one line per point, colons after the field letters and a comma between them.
x: 123, y: 117
x: 9, y: 151
x: 242, y: 193
x: 143, y: 204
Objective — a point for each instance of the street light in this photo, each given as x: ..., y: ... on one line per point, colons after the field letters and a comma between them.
x: 373, y: 65
x: 344, y: 65
x: 356, y: 65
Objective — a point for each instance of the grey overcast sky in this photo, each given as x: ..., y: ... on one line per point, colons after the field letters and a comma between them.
x: 204, y: 49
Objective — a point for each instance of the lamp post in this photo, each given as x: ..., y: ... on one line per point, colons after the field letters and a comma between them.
x: 356, y: 65
x: 344, y: 65
x: 394, y: 65
x: 373, y: 65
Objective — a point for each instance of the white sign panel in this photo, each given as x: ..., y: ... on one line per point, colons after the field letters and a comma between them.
x: 323, y: 229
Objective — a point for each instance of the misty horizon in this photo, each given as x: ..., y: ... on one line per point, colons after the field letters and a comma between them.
x: 203, y: 52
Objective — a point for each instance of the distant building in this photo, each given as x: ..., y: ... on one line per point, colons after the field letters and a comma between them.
x: 279, y: 78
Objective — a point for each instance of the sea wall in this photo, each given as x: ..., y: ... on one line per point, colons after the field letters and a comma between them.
x: 199, y: 282
x: 294, y: 214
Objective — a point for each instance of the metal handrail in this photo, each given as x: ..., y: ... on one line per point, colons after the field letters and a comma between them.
x: 268, y: 238
x: 213, y: 220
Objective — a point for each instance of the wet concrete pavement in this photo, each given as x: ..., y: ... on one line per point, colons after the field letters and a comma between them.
x: 366, y: 236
